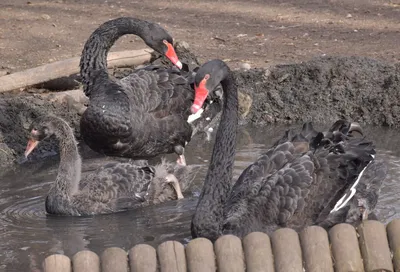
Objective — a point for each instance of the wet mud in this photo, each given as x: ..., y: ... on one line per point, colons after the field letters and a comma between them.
x: 321, y: 90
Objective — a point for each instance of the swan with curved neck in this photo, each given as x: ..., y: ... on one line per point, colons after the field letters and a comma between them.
x: 296, y: 183
x: 112, y: 188
x: 144, y: 114
x: 94, y: 55
x: 209, y: 212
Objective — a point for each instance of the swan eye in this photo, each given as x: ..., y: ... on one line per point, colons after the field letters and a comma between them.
x: 207, y: 76
x: 34, y: 131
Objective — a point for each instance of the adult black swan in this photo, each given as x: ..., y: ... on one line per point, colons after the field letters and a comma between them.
x: 304, y: 179
x: 112, y: 188
x: 144, y: 114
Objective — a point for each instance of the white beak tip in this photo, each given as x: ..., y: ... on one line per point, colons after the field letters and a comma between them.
x: 179, y: 64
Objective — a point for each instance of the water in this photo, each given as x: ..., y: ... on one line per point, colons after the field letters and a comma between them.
x: 28, y: 235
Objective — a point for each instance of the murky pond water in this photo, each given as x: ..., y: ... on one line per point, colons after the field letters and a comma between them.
x: 28, y: 235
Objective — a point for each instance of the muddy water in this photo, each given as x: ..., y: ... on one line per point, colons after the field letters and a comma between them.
x: 28, y: 235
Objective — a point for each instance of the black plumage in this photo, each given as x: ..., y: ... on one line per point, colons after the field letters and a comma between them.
x: 296, y: 183
x: 113, y: 187
x: 144, y: 114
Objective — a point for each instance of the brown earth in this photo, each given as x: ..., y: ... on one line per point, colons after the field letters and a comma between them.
x: 262, y: 33
x: 317, y: 60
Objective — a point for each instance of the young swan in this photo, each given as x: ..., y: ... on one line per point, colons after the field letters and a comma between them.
x: 112, y: 188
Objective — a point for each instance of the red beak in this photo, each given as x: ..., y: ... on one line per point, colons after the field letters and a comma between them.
x: 172, y: 55
x: 30, y: 147
x: 201, y: 94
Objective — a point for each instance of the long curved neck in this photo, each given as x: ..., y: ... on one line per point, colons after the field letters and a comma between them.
x: 69, y: 170
x: 94, y: 54
x: 208, y: 219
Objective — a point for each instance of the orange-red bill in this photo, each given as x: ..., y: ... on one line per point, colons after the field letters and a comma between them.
x: 172, y: 55
x: 201, y: 94
x: 30, y: 146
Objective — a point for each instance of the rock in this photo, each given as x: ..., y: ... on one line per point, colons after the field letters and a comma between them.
x: 244, y: 66
x: 245, y: 103
x: 267, y: 73
x: 182, y: 45
x: 46, y: 16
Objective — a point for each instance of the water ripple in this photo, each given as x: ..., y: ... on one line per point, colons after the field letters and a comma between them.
x: 28, y: 234
x: 25, y: 213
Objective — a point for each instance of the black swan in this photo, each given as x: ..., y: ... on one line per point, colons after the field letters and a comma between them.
x: 144, y: 114
x: 113, y: 187
x: 304, y: 179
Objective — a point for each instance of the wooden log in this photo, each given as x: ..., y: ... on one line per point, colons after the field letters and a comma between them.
x: 315, y: 247
x: 57, y: 263
x: 171, y: 255
x: 287, y: 251
x: 229, y: 252
x: 374, y: 246
x: 143, y: 258
x: 393, y: 231
x: 114, y: 259
x: 68, y: 67
x: 86, y: 261
x: 258, y: 253
x: 345, y: 249
x: 200, y: 256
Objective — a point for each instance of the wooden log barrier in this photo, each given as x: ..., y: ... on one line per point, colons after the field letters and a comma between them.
x: 171, y: 255
x: 229, y: 252
x: 287, y: 251
x: 57, y: 262
x: 114, y: 259
x: 393, y: 231
x: 143, y: 258
x: 374, y: 247
x: 68, y: 67
x: 284, y: 251
x: 345, y: 250
x: 86, y: 261
x: 200, y: 256
x: 258, y: 253
x: 316, y: 251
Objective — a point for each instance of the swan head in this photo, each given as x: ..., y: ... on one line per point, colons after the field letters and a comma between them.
x: 159, y: 39
x: 42, y: 128
x: 207, y: 79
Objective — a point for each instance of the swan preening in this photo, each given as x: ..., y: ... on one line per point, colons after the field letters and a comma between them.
x: 113, y: 187
x: 306, y: 178
x: 144, y: 114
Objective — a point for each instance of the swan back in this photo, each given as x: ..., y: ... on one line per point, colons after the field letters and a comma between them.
x: 297, y: 182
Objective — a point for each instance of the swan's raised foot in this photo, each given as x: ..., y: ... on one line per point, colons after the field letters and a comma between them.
x: 175, y: 183
x: 181, y: 160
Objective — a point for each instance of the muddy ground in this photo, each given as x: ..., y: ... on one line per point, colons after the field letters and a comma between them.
x: 311, y: 60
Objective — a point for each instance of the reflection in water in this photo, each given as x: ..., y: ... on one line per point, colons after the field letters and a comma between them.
x: 28, y: 235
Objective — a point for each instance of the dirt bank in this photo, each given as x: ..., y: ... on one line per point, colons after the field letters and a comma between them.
x: 321, y: 90
x: 17, y: 113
